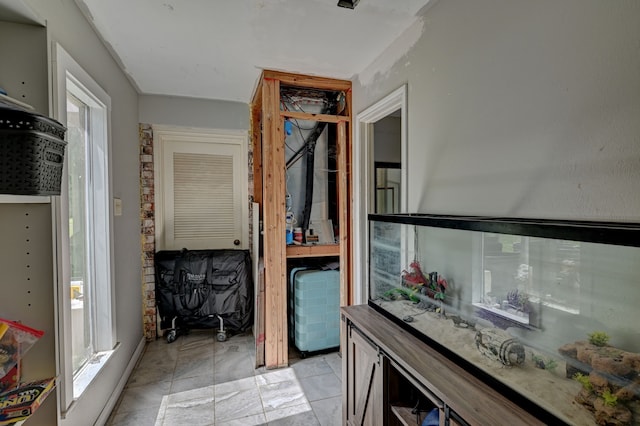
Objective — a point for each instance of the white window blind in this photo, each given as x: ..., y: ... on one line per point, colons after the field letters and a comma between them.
x: 203, y: 196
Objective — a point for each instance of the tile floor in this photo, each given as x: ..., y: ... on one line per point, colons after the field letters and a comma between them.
x: 199, y: 381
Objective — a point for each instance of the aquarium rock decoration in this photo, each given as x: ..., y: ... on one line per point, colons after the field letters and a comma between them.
x: 610, y: 379
x: 500, y: 346
x: 462, y: 322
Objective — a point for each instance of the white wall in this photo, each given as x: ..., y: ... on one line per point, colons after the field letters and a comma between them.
x: 192, y: 112
x: 525, y: 108
x: 68, y: 27
x: 519, y: 108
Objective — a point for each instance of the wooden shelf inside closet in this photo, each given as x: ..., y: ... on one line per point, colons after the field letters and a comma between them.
x: 313, y: 251
x: 269, y: 170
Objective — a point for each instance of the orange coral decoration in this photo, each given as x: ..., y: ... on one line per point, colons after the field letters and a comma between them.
x: 415, y: 275
x: 433, y: 285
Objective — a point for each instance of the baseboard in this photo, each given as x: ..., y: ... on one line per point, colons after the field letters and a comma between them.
x: 113, y: 399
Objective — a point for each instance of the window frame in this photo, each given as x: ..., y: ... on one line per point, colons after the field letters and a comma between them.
x: 67, y: 70
x: 535, y: 294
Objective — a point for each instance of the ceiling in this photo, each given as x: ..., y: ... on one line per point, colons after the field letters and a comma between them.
x: 17, y: 11
x: 216, y: 49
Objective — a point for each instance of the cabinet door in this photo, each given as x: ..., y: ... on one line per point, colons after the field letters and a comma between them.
x: 364, y: 398
x: 454, y: 419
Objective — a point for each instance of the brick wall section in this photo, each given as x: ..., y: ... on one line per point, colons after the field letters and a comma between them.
x: 147, y: 226
x: 250, y: 191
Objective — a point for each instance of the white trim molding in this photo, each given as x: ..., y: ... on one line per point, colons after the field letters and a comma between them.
x: 363, y: 168
x: 68, y: 75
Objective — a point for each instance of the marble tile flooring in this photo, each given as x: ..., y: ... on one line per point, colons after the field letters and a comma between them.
x: 199, y: 381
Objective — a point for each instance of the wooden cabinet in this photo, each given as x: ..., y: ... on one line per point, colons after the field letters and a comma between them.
x: 377, y: 390
x: 269, y: 182
x: 364, y: 378
x: 390, y: 377
x: 409, y: 401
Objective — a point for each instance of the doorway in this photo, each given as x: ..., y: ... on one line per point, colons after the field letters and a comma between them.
x: 201, y: 189
x: 387, y: 177
x: 380, y: 137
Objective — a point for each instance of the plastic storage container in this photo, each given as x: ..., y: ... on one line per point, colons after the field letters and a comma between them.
x: 316, y: 310
x: 292, y: 300
x: 31, y: 152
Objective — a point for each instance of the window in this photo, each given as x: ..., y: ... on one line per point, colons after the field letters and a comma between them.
x: 79, y: 256
x: 520, y: 273
x: 84, y: 231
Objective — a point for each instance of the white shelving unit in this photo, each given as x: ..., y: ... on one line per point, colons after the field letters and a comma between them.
x: 24, y: 199
x: 27, y: 288
x: 9, y: 99
x: 27, y: 259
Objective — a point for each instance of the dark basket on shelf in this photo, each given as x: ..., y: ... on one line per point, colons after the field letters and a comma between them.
x: 31, y: 152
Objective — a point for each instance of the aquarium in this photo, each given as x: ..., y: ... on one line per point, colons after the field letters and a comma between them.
x: 547, y: 311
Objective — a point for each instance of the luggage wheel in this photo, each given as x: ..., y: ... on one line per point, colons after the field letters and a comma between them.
x: 171, y: 335
x: 222, y: 333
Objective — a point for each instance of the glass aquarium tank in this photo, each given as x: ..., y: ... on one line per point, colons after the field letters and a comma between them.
x: 547, y: 311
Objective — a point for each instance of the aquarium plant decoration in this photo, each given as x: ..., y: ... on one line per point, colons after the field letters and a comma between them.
x: 584, y: 381
x: 414, y: 277
x: 432, y: 285
x: 437, y: 286
x: 402, y: 293
x: 518, y: 300
x: 549, y: 364
x: 599, y: 338
x: 610, y: 399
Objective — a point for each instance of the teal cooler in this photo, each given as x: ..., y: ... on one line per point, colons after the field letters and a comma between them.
x: 316, y: 310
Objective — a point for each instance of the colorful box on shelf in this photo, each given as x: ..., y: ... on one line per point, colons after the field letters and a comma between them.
x: 20, y: 403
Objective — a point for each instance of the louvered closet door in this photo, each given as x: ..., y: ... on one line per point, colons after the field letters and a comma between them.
x: 203, y: 196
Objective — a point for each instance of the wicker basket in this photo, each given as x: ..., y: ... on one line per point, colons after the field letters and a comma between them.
x: 13, y: 117
x: 31, y: 153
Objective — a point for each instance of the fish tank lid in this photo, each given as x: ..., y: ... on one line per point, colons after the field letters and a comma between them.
x: 615, y: 233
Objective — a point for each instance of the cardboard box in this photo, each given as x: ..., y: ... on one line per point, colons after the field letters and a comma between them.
x: 18, y: 404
